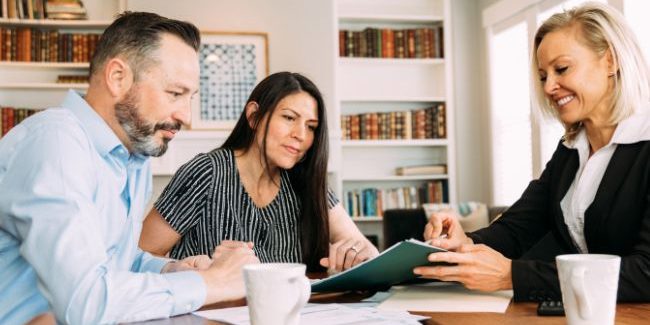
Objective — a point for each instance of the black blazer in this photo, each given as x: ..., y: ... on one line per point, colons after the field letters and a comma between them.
x: 532, y: 232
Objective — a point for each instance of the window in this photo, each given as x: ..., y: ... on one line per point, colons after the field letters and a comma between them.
x: 510, y: 113
x: 520, y: 143
x: 636, y: 13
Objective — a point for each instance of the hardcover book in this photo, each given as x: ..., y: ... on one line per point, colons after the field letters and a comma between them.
x: 393, y: 266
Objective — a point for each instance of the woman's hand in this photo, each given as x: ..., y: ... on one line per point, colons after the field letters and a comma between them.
x: 347, y: 253
x: 478, y: 267
x: 444, y: 230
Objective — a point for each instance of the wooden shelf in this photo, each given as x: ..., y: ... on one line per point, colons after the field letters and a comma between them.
x: 384, y: 18
x: 41, y: 85
x: 393, y: 99
x: 393, y: 143
x: 394, y: 178
x: 367, y: 219
x: 44, y: 65
x: 94, y: 24
x: 391, y: 61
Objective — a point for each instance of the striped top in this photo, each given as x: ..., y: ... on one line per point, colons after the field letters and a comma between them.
x: 205, y: 202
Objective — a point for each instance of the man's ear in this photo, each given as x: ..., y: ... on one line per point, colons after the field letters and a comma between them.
x: 252, y: 108
x: 118, y: 77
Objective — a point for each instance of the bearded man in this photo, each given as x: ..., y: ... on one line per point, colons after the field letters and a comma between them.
x: 75, y: 180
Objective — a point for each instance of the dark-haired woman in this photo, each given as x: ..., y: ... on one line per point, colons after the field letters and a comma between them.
x: 267, y: 184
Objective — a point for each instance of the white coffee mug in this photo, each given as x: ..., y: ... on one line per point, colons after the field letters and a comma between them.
x: 276, y: 292
x: 589, y: 284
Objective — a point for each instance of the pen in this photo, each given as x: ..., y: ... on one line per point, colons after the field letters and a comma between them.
x: 443, y: 236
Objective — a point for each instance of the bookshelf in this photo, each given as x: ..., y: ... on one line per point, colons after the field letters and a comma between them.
x: 382, y: 85
x: 29, y: 80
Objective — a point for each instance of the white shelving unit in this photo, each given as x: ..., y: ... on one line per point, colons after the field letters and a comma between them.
x: 33, y: 84
x: 366, y: 85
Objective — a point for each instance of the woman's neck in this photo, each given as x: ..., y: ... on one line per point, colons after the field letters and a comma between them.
x: 252, y: 166
x: 598, y: 135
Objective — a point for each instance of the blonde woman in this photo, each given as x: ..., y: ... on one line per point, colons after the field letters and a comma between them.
x: 593, y: 194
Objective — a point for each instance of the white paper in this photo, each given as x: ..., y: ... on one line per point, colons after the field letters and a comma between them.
x: 325, y: 314
x: 446, y: 297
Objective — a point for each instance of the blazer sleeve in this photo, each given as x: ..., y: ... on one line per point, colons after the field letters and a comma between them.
x: 634, y: 279
x: 526, y: 221
x: 526, y: 227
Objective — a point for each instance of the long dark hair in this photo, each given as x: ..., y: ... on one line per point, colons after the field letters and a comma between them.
x: 308, y: 176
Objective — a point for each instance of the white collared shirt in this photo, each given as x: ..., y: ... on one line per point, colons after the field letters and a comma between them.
x: 591, y: 170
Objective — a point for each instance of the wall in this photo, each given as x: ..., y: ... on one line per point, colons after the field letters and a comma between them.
x: 470, y: 104
x: 300, y: 34
x: 302, y: 38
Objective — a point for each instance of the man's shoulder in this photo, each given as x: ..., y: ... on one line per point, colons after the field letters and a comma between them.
x: 51, y: 120
x: 53, y: 129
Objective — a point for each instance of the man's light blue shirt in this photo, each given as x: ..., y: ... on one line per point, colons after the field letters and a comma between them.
x: 72, y: 202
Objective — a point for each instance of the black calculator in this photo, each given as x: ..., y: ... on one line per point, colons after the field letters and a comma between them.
x: 550, y: 308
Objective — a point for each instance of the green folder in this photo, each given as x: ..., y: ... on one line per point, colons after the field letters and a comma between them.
x: 393, y: 266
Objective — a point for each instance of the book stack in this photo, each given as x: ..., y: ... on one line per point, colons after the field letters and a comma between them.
x: 23, y: 9
x: 421, y: 170
x: 392, y: 43
x: 45, y: 45
x: 426, y: 123
x: 65, y: 9
x: 10, y: 117
x: 72, y: 79
x: 371, y: 202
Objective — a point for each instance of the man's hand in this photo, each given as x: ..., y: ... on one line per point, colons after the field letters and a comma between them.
x: 224, y: 277
x: 478, y: 267
x: 192, y: 263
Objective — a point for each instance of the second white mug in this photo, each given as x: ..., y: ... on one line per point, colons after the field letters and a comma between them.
x: 589, y: 284
x: 276, y: 292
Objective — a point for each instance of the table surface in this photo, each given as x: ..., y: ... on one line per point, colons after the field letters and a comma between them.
x: 517, y: 313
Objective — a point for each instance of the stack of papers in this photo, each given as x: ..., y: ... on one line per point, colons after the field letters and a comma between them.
x: 445, y: 297
x: 326, y: 314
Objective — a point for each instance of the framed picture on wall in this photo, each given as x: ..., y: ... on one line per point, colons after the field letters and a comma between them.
x: 231, y: 63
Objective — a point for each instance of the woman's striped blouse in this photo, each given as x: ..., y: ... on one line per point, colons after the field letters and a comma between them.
x: 205, y: 202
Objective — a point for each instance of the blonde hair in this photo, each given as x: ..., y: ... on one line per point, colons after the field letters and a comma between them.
x: 602, y: 28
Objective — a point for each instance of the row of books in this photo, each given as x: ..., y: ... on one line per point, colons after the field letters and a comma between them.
x: 45, y: 45
x: 425, y: 123
x: 10, y: 117
x: 392, y: 43
x: 372, y: 202
x: 72, y: 79
x: 43, y: 9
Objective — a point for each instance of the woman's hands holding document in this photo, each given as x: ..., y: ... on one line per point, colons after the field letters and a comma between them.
x: 477, y: 267
x: 443, y: 230
x: 347, y: 253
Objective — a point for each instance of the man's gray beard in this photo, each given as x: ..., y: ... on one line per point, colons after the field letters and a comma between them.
x: 140, y: 132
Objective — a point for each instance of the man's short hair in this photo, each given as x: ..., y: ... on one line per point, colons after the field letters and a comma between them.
x: 136, y: 35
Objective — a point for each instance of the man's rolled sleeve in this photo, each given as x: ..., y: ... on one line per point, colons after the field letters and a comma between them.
x: 188, y: 290
x: 150, y: 263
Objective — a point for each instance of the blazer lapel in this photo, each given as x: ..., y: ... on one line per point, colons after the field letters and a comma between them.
x: 567, y: 175
x: 619, y: 166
